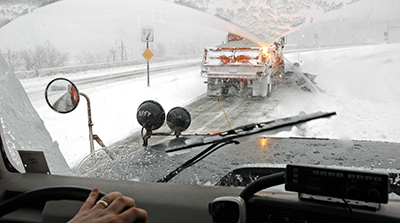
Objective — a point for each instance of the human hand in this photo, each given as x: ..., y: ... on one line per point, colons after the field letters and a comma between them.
x: 109, y: 209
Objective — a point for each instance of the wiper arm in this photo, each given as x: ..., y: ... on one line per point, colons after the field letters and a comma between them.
x: 247, y: 130
x: 194, y: 160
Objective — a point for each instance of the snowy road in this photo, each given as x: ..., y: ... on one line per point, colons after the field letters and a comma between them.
x: 208, y: 115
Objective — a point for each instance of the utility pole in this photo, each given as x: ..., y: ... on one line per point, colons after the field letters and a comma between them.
x: 387, y: 31
x: 122, y: 51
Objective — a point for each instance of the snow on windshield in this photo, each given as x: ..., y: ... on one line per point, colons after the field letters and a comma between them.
x: 357, y: 82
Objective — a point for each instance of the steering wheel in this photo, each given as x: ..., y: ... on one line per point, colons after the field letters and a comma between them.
x: 262, y: 183
x: 43, y: 195
x: 233, y: 209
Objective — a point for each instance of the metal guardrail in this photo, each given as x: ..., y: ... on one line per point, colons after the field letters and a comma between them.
x: 86, y: 67
x: 73, y: 69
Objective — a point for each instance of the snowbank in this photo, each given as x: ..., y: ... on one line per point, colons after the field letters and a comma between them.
x: 359, y: 83
x: 22, y: 127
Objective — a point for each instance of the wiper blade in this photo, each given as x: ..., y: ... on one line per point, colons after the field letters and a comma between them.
x: 214, y: 147
x: 242, y: 131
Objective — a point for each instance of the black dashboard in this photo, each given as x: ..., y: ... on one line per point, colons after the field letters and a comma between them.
x: 321, y: 195
x: 169, y: 202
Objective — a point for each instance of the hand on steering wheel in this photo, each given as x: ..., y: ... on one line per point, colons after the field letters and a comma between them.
x: 113, y: 207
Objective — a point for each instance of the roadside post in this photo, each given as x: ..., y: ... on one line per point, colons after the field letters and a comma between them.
x: 147, y: 36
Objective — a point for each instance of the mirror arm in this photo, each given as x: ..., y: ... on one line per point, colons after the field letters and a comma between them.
x: 90, y: 124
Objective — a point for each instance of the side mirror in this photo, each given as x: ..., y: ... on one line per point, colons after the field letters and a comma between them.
x: 62, y: 95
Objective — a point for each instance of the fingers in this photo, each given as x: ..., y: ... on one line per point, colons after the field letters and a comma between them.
x: 134, y: 215
x: 90, y: 200
x: 109, y: 198
x: 120, y: 203
x: 114, y: 208
x: 116, y: 202
x: 116, y: 205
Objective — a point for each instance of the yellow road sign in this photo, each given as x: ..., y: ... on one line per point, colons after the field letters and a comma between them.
x: 147, y: 54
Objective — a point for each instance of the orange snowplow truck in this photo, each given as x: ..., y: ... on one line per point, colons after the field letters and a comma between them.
x: 240, y: 67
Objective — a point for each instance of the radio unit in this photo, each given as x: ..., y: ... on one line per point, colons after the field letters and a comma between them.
x: 338, y: 183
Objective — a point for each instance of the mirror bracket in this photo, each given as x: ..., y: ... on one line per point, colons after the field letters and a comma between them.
x: 63, y: 96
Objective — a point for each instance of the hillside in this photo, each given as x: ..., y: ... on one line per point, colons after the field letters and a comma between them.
x: 95, y: 31
x: 354, y: 32
x: 12, y: 9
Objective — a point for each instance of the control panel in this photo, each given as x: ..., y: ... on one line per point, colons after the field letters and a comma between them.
x: 338, y: 183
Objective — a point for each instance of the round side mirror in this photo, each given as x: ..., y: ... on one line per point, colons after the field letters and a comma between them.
x: 62, y: 95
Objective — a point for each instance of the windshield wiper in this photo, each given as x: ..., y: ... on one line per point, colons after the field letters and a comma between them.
x: 225, y: 138
x: 194, y: 160
x: 239, y: 132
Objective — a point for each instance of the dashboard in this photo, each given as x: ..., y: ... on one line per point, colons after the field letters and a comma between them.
x: 323, y: 195
x: 169, y: 202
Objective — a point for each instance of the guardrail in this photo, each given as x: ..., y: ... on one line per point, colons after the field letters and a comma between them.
x: 86, y: 67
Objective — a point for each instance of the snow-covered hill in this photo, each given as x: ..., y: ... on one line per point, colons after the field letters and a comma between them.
x: 111, y: 30
x: 12, y: 9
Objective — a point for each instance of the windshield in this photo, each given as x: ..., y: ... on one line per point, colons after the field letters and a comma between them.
x: 126, y: 65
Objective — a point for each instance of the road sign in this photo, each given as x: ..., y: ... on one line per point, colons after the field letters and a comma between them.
x: 147, y: 54
x: 147, y: 35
